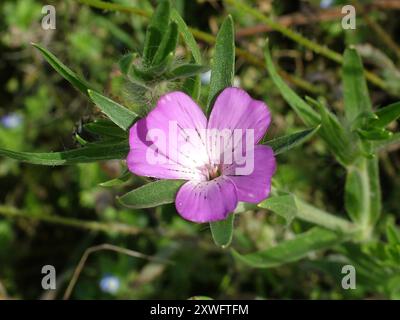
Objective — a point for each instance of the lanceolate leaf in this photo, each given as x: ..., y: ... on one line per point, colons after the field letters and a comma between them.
x: 157, y: 27
x: 285, y: 143
x: 167, y: 45
x: 335, y: 135
x: 386, y: 115
x: 192, y: 85
x: 303, y: 110
x: 82, y: 155
x: 105, y: 128
x: 152, y: 194
x: 222, y: 231
x: 223, y: 61
x: 120, y: 115
x: 63, y: 70
x: 355, y: 90
x: 374, y: 133
x: 291, y: 250
x: 187, y: 36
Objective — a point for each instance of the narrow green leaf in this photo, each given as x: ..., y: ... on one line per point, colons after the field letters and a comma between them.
x: 223, y: 61
x: 363, y: 120
x: 117, y: 113
x: 79, y: 83
x: 303, y: 110
x: 167, y: 45
x: 187, y: 36
x: 191, y: 85
x: 117, y: 181
x: 291, y: 250
x: 374, y: 133
x: 105, y: 128
x: 288, y: 142
x: 186, y: 71
x: 386, y: 115
x: 283, y: 205
x: 155, y: 30
x: 152, y: 194
x: 339, y: 140
x: 355, y: 90
x: 81, y: 155
x: 222, y: 231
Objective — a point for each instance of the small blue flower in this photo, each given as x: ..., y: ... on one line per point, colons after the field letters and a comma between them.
x: 110, y: 284
x: 11, y: 121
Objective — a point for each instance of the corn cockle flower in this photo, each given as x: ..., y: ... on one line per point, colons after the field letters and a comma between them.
x: 219, y: 157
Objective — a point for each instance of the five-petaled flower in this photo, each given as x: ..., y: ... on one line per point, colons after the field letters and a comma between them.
x: 214, y: 184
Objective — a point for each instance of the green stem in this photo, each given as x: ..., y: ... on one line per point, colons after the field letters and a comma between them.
x: 369, y: 194
x: 309, y: 213
x: 10, y: 212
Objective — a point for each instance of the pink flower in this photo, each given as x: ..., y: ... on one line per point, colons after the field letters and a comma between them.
x: 176, y: 141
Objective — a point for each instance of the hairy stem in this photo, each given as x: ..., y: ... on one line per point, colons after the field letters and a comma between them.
x: 309, y: 213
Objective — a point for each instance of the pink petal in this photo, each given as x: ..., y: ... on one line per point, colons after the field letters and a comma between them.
x: 205, y: 201
x: 235, y: 109
x: 255, y: 186
x: 175, y: 156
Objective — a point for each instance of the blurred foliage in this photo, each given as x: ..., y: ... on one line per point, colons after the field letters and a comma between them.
x: 39, y: 111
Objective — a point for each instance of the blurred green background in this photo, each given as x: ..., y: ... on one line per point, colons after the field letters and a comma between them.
x: 39, y: 111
